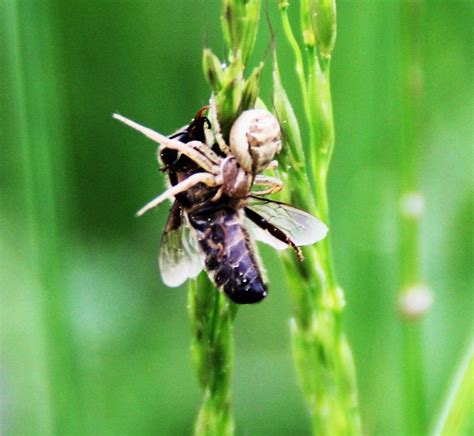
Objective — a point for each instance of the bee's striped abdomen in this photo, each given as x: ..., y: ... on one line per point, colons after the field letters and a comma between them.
x: 229, y: 256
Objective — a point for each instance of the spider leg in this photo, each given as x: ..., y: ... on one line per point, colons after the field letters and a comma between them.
x: 206, y: 178
x: 273, y: 165
x: 206, y: 151
x: 217, y: 127
x: 218, y: 194
x: 274, y: 184
x: 187, y: 149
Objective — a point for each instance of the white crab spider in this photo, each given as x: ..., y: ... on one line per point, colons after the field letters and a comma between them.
x: 254, y: 142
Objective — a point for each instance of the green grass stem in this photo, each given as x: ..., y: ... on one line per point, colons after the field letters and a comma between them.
x: 210, y: 312
x: 211, y: 324
x: 457, y: 413
x: 299, y: 64
x: 412, y: 206
x: 322, y: 355
x: 33, y: 64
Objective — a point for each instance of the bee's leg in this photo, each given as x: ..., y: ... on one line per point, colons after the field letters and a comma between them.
x: 217, y: 128
x: 273, y: 166
x: 206, y: 178
x: 263, y: 224
x: 195, y: 155
x: 273, y: 183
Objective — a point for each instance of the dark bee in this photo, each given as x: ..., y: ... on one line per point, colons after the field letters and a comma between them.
x: 215, y: 214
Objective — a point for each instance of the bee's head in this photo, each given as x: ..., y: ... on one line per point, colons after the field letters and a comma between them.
x: 255, y: 139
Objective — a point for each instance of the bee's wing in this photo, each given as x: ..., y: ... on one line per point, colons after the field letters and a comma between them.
x: 300, y: 226
x: 180, y: 257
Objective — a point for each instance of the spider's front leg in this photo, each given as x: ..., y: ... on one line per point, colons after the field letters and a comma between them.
x: 195, y: 150
x: 273, y: 165
x: 274, y: 184
x: 206, y: 178
x: 217, y: 128
x: 205, y: 150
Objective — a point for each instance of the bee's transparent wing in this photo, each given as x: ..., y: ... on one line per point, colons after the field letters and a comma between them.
x: 300, y: 226
x: 180, y: 257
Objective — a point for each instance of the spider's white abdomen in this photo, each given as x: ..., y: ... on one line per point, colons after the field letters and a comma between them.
x: 255, y: 139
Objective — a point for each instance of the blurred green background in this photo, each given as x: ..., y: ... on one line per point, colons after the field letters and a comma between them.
x: 91, y: 338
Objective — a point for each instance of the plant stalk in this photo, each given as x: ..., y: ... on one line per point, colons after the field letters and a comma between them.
x: 323, y: 357
x: 458, y: 409
x: 212, y: 349
x: 210, y: 312
x: 412, y: 208
x: 41, y: 143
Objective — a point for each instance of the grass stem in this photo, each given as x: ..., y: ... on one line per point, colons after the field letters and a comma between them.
x: 457, y: 410
x: 40, y: 141
x: 212, y: 349
x: 411, y: 212
x: 210, y: 312
x: 323, y: 357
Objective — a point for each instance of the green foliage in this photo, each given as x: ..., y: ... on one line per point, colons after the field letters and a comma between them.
x: 211, y: 325
x: 233, y: 92
x: 412, y: 205
x: 456, y: 416
x: 240, y: 24
x: 322, y: 16
x: 323, y: 358
x: 39, y: 147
